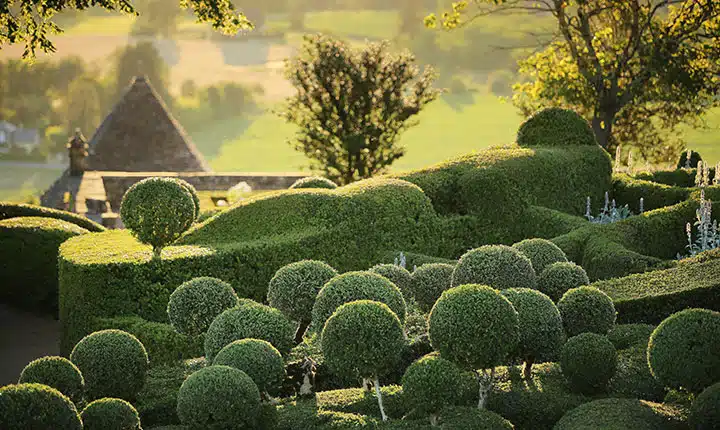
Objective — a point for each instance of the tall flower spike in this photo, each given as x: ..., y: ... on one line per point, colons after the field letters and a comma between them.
x: 699, y: 174
x: 642, y: 205
x: 617, y: 158
x: 687, y: 158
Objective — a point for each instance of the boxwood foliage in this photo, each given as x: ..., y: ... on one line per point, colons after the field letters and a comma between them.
x: 588, y: 361
x: 432, y: 383
x: 314, y: 182
x: 629, y: 190
x: 705, y: 410
x: 37, y: 406
x: 395, y: 274
x: 295, y: 286
x: 693, y: 161
x: 260, y: 360
x: 22, y: 210
x: 429, y: 281
x: 56, y: 372
x: 193, y: 193
x: 632, y: 378
x: 28, y: 261
x: 621, y: 414
x: 197, y: 302
x: 560, y: 277
x: 586, y: 309
x: 683, y: 350
x: 541, y: 252
x: 630, y: 335
x: 498, y: 266
x: 555, y: 126
x: 110, y: 414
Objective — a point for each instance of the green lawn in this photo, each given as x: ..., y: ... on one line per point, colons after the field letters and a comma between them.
x: 17, y: 183
x: 707, y: 141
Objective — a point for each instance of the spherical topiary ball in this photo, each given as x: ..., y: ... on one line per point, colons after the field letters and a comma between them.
x: 498, y: 266
x: 110, y: 414
x: 193, y: 193
x: 114, y: 363
x: 683, y: 351
x: 314, y: 182
x: 429, y: 281
x: 541, y: 252
x: 705, y: 410
x: 353, y: 286
x: 474, y: 326
x: 294, y: 288
x: 364, y: 339
x: 555, y: 127
x: 619, y: 414
x: 196, y: 303
x: 558, y: 278
x: 587, y: 309
x: 261, y: 361
x: 56, y: 372
x: 36, y: 406
x: 395, y: 274
x: 249, y: 321
x: 588, y: 361
x: 695, y: 158
x: 431, y: 384
x: 157, y: 211
x: 219, y: 397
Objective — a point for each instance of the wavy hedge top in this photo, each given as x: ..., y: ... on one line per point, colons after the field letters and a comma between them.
x: 42, y: 223
x: 14, y: 210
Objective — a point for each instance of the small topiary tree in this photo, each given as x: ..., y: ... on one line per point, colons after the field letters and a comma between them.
x: 705, y: 410
x: 261, y: 361
x: 196, y: 303
x: 110, y: 414
x: 588, y: 362
x: 56, y: 372
x: 555, y: 127
x: 683, y: 350
x: 541, y: 327
x: 587, y: 309
x: 429, y: 281
x: 219, y: 397
x: 475, y: 327
x: 294, y: 288
x: 114, y: 363
x: 36, y: 406
x: 692, y: 163
x: 314, y: 182
x: 431, y: 384
x: 498, y: 266
x: 364, y: 339
x: 157, y: 211
x: 353, y: 286
x: 193, y: 193
x: 249, y: 321
x: 541, y: 252
x: 560, y: 277
x: 396, y: 274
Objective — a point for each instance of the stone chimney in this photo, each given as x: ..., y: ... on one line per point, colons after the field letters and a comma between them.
x: 78, y: 151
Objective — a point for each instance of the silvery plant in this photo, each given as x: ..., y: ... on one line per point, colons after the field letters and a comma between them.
x: 708, y: 236
x: 610, y: 212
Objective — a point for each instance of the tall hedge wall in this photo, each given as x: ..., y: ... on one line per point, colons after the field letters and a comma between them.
x: 14, y: 210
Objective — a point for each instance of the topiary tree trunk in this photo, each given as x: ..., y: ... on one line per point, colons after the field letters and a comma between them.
x: 485, y: 382
x: 379, y: 396
x: 527, y: 369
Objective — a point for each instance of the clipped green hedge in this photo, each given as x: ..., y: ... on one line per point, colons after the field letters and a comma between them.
x: 628, y: 190
x: 555, y: 126
x: 28, y: 261
x: 622, y: 414
x: 676, y: 178
x: 17, y: 210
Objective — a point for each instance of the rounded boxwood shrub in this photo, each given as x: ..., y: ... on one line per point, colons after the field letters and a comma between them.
x: 36, y: 406
x: 474, y: 326
x: 249, y: 321
x: 196, y: 303
x: 114, y: 363
x: 432, y: 383
x: 588, y: 361
x: 295, y: 286
x: 314, y: 182
x: 110, y: 414
x: 218, y: 397
x: 541, y: 329
x: 587, y: 309
x: 56, y: 372
x: 352, y: 286
x: 683, y: 350
x: 621, y: 414
x: 555, y: 127
x: 193, y: 193
x: 471, y: 418
x: 694, y: 159
x: 498, y: 266
x: 157, y: 211
x: 541, y: 252
x: 705, y: 410
x: 429, y: 281
x: 395, y: 274
x: 560, y: 277
x: 261, y: 361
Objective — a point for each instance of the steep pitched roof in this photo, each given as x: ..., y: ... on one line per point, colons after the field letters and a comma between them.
x: 140, y: 134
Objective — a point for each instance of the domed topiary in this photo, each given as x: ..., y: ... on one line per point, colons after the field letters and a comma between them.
x: 705, y: 410
x: 541, y: 327
x: 555, y: 127
x: 695, y: 158
x: 431, y: 384
x: 353, y: 286
x: 621, y: 414
x: 219, y: 397
x: 157, y: 211
x: 257, y: 358
x: 541, y: 252
x: 364, y: 339
x: 249, y: 321
x: 294, y: 288
x: 196, y: 303
x: 36, y: 406
x: 560, y: 277
x: 683, y: 350
x: 588, y: 361
x: 193, y: 193
x: 110, y: 414
x: 56, y: 372
x: 114, y: 363
x: 587, y: 309
x: 395, y: 274
x: 314, y: 182
x: 429, y: 281
x: 497, y: 266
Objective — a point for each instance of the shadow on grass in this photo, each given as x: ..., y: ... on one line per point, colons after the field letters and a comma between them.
x: 211, y: 138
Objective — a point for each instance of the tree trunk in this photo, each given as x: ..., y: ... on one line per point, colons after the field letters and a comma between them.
x: 485, y: 382
x: 302, y: 327
x: 367, y: 384
x: 527, y: 370
x: 157, y: 250
x: 380, y: 402
x: 434, y: 420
